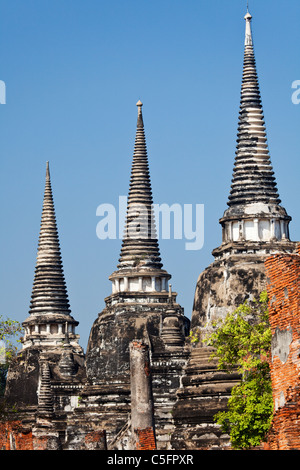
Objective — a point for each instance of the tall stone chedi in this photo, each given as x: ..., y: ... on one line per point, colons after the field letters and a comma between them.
x: 50, y: 337
x: 255, y: 224
x: 140, y: 307
x: 50, y: 315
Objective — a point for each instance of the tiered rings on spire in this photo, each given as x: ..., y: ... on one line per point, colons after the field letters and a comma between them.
x: 140, y: 245
x: 140, y: 267
x: 254, y: 212
x: 49, y: 294
x: 253, y: 177
x: 49, y: 320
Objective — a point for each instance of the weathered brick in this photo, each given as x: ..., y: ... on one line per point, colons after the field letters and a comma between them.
x: 146, y: 439
x: 283, y: 273
x: 14, y: 436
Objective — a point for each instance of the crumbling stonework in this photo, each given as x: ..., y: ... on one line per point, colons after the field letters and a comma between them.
x: 236, y: 275
x: 24, y: 379
x: 49, y: 435
x: 15, y: 436
x: 205, y: 391
x: 283, y: 272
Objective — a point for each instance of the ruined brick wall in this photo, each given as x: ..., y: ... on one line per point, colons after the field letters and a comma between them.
x: 283, y: 282
x: 95, y: 440
x: 14, y: 436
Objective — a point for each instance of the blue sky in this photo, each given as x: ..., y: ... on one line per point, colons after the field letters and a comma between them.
x: 74, y: 71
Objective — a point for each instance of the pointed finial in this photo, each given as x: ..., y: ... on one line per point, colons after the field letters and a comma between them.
x: 248, y: 34
x: 47, y: 169
x: 248, y: 16
x: 140, y: 116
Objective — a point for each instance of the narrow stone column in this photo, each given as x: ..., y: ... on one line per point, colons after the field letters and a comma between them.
x: 282, y: 228
x: 272, y: 229
x: 142, y: 421
x: 256, y: 229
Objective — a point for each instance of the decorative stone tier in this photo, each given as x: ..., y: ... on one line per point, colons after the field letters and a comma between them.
x: 167, y: 366
x: 255, y: 222
x: 49, y: 330
x: 140, y: 280
x: 249, y: 247
x: 107, y: 405
x: 205, y: 391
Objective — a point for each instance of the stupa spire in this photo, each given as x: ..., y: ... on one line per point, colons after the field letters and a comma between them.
x: 248, y: 33
x: 140, y: 244
x: 140, y: 267
x: 254, y: 211
x: 49, y: 307
x: 49, y: 294
x: 255, y: 225
x: 253, y: 177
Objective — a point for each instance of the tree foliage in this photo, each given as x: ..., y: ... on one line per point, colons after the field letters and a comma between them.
x: 10, y: 331
x: 242, y: 343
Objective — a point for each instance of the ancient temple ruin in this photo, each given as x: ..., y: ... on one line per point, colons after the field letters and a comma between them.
x: 141, y: 384
x: 255, y: 225
x: 49, y: 331
x: 141, y: 307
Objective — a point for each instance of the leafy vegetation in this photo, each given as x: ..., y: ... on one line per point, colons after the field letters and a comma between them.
x: 193, y: 338
x: 242, y: 343
x: 10, y: 331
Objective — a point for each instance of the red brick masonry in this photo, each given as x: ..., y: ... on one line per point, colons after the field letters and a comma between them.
x: 13, y: 436
x: 146, y: 439
x: 283, y: 279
